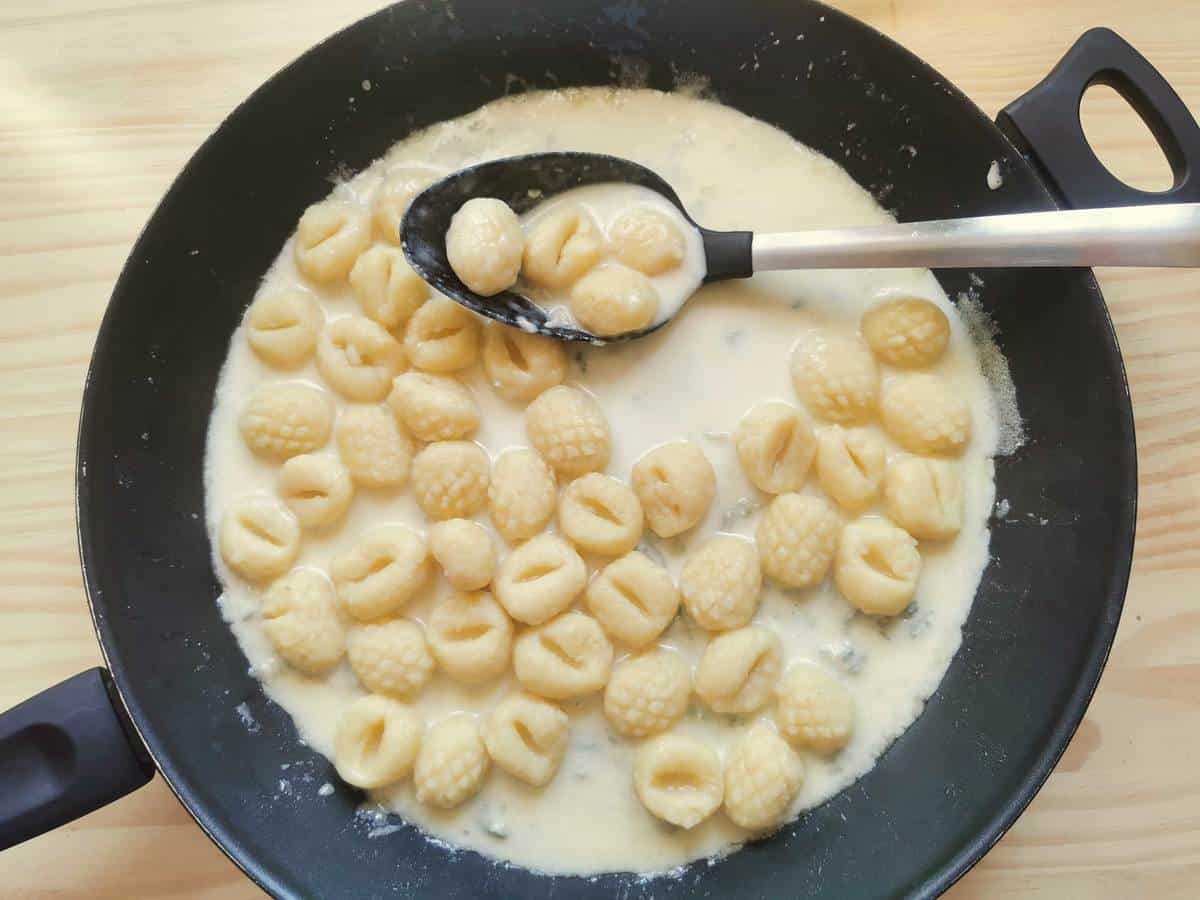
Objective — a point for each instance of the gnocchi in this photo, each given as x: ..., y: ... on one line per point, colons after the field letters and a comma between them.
x: 433, y: 407
x: 317, y: 488
x: 739, y: 670
x: 442, y: 337
x: 633, y: 599
x: 392, y: 199
x: 647, y: 693
x: 924, y: 497
x: 612, y: 299
x: 797, y: 537
x: 259, y: 538
x: 377, y: 742
x: 678, y: 779
x: 527, y: 737
x: 720, y: 583
x: 924, y: 415
x: 471, y: 637
x: 450, y: 479
x: 465, y: 552
x: 282, y: 328
x: 877, y: 566
x: 374, y: 450
x: 568, y: 429
x: 285, y: 419
x: 566, y: 657
x: 391, y: 658
x: 485, y: 244
x: 676, y: 484
x: 906, y: 331
x: 763, y: 775
x: 382, y: 572
x: 562, y: 246
x: 814, y: 710
x: 775, y: 445
x: 300, y: 620
x: 837, y: 378
x: 358, y: 358
x: 521, y: 494
x: 540, y: 579
x: 520, y: 365
x: 387, y: 289
x: 328, y: 240
x: 599, y: 514
x: 647, y: 240
x: 850, y: 465
x: 452, y: 763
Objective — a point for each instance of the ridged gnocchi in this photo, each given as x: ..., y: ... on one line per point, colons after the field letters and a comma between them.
x: 568, y: 656
x: 471, y: 636
x: 612, y: 299
x: 442, y: 337
x: 450, y: 479
x: 906, y: 331
x: 647, y: 693
x: 373, y: 448
x: 382, y: 572
x: 520, y: 365
x: 392, y: 199
x: 282, y: 328
x: 633, y: 599
x: 569, y: 430
x: 676, y: 484
x: 775, y: 445
x: 387, y: 289
x: 850, y: 465
x: 599, y: 514
x: 739, y: 670
x: 485, y: 244
x: 300, y: 620
x: 837, y: 378
x: 923, y: 414
x: 526, y: 736
x: 317, y: 489
x: 285, y: 419
x: 377, y: 742
x: 561, y: 246
x: 390, y: 658
x: 647, y: 240
x: 259, y: 538
x: 814, y: 709
x: 797, y: 537
x: 358, y: 358
x: 452, y: 763
x: 877, y: 566
x: 329, y: 238
x: 924, y: 497
x: 763, y: 775
x: 521, y: 494
x: 465, y: 551
x: 678, y: 779
x: 720, y: 583
x: 540, y: 579
x: 434, y: 407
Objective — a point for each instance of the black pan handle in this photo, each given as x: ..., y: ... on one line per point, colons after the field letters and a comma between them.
x: 64, y: 753
x: 1044, y: 124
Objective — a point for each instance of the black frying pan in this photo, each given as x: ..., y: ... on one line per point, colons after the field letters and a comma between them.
x: 1047, y: 607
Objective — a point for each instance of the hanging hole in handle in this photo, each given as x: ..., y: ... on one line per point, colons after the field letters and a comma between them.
x: 1122, y: 140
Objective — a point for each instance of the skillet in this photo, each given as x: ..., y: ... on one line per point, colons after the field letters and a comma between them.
x: 176, y: 696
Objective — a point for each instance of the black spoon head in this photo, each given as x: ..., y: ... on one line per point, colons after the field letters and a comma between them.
x: 522, y: 182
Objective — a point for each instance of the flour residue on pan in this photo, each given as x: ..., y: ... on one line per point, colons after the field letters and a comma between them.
x: 994, y: 365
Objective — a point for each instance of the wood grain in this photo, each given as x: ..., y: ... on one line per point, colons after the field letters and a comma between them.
x: 101, y: 103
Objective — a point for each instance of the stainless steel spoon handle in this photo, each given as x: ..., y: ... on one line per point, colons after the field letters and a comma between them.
x: 1164, y: 235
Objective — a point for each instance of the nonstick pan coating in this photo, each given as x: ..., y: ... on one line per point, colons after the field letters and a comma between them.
x: 1049, y: 601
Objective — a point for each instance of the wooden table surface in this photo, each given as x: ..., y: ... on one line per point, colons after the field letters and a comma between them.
x: 101, y: 104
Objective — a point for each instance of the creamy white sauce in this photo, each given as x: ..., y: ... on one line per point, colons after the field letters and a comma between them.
x: 727, y: 350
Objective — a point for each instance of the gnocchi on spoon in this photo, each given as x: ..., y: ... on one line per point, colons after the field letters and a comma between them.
x: 591, y: 247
